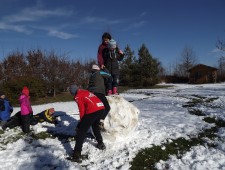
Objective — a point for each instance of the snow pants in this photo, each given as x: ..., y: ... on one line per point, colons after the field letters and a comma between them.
x: 106, y: 104
x: 89, y: 120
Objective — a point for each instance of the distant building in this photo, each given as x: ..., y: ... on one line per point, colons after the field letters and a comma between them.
x: 201, y: 74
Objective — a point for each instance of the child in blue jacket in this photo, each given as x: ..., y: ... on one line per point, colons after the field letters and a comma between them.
x: 5, y: 109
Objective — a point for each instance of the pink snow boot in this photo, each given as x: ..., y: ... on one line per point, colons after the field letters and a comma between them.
x: 115, y: 91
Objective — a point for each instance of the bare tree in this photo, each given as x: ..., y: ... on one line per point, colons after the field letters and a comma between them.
x: 220, y: 45
x: 14, y: 66
x: 221, y: 61
x: 188, y: 59
x: 221, y: 67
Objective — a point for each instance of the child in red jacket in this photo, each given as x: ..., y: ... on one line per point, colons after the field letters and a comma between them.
x: 90, y: 108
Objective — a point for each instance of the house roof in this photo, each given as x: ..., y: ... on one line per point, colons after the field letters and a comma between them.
x: 202, y: 65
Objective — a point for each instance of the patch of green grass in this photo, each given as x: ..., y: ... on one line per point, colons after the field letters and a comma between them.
x: 42, y: 135
x: 30, y: 137
x: 200, y: 100
x: 218, y: 122
x: 196, y: 112
x: 198, y: 96
x: 210, y: 100
x: 62, y: 97
x: 11, y: 138
x: 147, y: 158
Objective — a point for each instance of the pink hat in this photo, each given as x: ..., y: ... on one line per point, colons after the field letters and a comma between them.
x: 25, y: 91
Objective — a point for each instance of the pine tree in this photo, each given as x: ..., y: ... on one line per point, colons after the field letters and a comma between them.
x: 126, y: 67
x: 148, y: 67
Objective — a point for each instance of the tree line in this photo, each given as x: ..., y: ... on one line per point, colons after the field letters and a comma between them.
x: 47, y: 74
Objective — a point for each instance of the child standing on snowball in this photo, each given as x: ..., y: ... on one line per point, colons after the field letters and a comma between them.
x: 25, y: 110
x: 111, y: 57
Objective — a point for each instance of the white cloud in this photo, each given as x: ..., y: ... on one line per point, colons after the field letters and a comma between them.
x: 17, y: 21
x: 143, y: 14
x: 17, y: 28
x: 90, y: 19
x: 216, y: 50
x: 30, y: 14
x: 135, y: 25
x: 61, y: 35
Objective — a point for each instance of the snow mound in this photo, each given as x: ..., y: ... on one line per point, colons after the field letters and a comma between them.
x: 121, y: 120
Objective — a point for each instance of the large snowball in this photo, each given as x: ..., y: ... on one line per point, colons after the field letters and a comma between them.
x: 121, y: 120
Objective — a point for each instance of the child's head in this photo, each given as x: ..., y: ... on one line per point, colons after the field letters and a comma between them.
x: 112, y: 44
x: 106, y: 37
x: 51, y: 111
x: 25, y: 91
x: 2, y: 95
x: 73, y: 89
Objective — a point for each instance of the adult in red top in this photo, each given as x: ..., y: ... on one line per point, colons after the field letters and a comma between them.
x: 90, y: 108
x: 87, y: 103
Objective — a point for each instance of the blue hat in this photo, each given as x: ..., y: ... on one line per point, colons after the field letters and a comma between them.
x: 73, y: 89
x: 112, y: 43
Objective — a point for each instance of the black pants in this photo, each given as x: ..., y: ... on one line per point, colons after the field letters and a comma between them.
x: 112, y: 81
x: 106, y: 104
x: 25, y: 123
x: 19, y: 120
x: 89, y: 120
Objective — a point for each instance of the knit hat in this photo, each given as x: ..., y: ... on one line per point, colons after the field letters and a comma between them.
x: 112, y: 44
x: 73, y: 89
x: 26, y: 91
x: 95, y: 67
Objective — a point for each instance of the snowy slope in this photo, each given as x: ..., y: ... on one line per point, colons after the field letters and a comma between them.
x: 161, y: 117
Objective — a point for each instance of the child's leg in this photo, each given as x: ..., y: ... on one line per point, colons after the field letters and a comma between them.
x: 115, y: 80
x: 25, y: 123
x: 109, y: 86
x: 115, y: 83
x: 13, y: 121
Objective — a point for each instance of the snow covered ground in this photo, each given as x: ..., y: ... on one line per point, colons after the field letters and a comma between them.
x: 161, y: 117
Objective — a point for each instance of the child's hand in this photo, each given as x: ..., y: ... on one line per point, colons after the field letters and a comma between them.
x: 102, y: 66
x: 120, y: 52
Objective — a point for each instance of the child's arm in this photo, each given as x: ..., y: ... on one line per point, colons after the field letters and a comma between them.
x: 2, y: 106
x: 119, y: 54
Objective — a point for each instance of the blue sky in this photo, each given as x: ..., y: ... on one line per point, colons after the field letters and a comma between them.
x: 74, y: 28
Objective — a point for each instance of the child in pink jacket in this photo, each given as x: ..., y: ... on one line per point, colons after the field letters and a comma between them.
x: 25, y: 110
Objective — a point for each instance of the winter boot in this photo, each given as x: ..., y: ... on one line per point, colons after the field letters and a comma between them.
x: 115, y: 90
x: 109, y: 92
x: 76, y: 157
x: 101, y: 146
